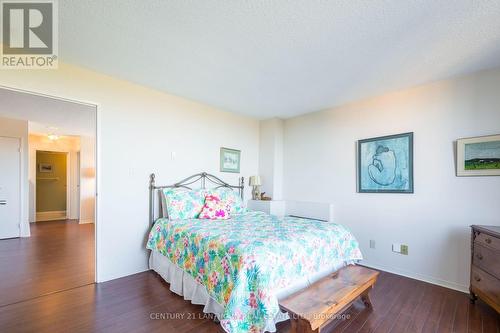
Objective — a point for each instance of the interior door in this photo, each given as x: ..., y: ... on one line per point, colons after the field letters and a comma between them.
x: 10, y: 173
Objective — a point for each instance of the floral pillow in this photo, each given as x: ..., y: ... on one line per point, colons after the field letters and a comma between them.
x: 231, y: 198
x: 215, y: 208
x: 183, y: 204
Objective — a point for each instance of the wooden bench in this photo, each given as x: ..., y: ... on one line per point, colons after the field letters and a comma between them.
x: 312, y: 308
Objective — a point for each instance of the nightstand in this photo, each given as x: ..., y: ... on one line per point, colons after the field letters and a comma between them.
x: 273, y: 207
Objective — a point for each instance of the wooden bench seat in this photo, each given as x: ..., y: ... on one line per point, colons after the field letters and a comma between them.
x: 312, y: 308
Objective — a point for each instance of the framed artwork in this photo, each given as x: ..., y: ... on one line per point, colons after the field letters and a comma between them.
x: 385, y: 164
x: 230, y: 160
x: 45, y: 168
x: 479, y: 156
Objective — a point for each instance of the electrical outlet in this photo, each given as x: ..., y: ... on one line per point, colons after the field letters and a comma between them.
x: 372, y: 244
x: 404, y: 249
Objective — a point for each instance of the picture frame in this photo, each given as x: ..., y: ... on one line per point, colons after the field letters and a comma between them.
x: 230, y: 160
x: 45, y: 168
x: 478, y: 156
x: 385, y: 164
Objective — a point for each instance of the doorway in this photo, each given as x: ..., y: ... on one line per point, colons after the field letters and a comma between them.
x: 51, y: 186
x: 50, y: 146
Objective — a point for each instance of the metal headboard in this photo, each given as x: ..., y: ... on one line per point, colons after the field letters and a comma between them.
x: 202, y: 177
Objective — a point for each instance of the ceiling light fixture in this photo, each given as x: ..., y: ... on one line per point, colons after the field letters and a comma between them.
x: 53, y: 137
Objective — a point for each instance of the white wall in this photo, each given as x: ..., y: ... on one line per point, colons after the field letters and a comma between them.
x: 138, y: 129
x: 19, y: 129
x: 320, y: 165
x: 87, y: 179
x: 271, y: 157
x: 70, y: 145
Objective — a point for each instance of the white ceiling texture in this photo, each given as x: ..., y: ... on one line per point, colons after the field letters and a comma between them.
x: 48, y: 115
x: 280, y: 58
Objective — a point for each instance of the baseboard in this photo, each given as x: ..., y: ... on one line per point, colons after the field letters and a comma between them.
x: 84, y: 221
x: 119, y: 276
x: 51, y: 216
x: 420, y: 277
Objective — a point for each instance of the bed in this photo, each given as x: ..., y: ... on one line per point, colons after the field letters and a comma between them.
x: 239, y: 268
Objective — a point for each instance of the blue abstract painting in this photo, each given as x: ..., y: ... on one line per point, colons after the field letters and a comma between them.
x: 385, y: 164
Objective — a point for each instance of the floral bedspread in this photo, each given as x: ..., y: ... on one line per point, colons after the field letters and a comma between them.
x: 243, y: 261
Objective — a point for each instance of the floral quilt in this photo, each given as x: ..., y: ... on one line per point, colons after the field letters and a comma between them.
x: 243, y: 261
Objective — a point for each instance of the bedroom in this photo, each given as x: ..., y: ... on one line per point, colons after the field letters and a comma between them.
x: 294, y: 87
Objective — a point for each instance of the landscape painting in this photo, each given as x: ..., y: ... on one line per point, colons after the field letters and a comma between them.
x: 478, y: 156
x: 230, y: 160
x: 385, y: 164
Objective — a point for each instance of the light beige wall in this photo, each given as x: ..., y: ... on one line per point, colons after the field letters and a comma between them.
x: 19, y: 129
x: 63, y: 144
x: 320, y: 165
x: 139, y: 128
x: 271, y: 157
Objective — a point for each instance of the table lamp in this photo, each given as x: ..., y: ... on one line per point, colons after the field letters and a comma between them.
x: 255, y: 182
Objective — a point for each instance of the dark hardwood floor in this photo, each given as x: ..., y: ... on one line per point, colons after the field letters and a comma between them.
x: 59, y: 255
x: 40, y: 275
x: 143, y: 303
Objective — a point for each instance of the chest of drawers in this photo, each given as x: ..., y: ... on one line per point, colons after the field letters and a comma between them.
x: 485, y: 265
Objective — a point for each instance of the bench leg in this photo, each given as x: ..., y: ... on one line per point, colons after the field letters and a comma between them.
x: 301, y: 326
x: 365, y: 297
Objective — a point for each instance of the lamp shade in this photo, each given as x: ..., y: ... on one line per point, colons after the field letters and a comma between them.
x: 255, y: 181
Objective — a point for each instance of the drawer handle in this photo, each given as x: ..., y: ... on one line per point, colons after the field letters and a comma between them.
x: 479, y: 256
x: 488, y: 240
x: 477, y: 278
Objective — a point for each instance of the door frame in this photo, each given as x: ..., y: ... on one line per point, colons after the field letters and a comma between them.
x: 97, y: 153
x: 21, y: 180
x: 69, y: 181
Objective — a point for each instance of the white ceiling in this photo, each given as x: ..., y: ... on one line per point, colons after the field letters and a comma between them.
x: 47, y: 115
x: 280, y: 58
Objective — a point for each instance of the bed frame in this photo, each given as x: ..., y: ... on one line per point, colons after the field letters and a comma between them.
x: 186, y: 183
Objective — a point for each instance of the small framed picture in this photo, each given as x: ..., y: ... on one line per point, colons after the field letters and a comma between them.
x: 45, y: 168
x: 479, y: 156
x: 385, y: 164
x: 230, y: 160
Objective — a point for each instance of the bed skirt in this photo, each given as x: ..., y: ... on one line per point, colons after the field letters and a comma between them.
x: 185, y: 285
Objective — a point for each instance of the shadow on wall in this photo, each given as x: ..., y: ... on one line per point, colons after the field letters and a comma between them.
x: 87, y: 200
x: 87, y: 179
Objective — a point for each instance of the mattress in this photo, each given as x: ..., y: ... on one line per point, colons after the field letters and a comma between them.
x: 246, y: 264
